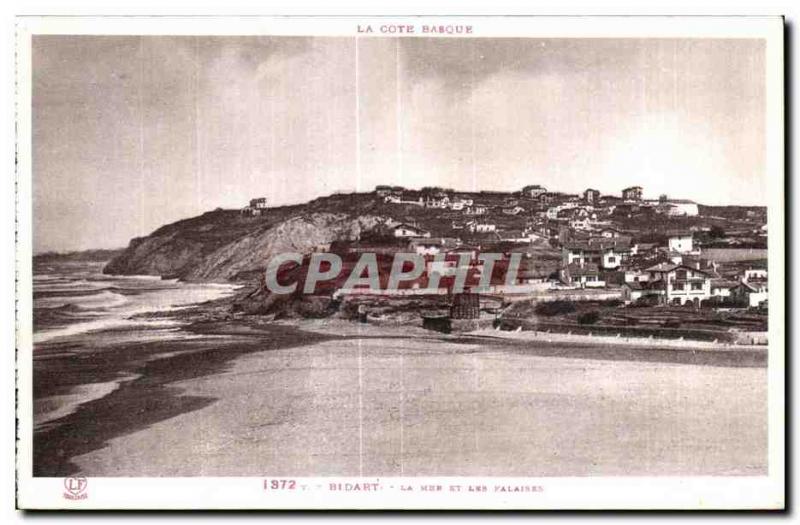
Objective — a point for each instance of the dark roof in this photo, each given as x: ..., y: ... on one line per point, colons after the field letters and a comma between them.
x: 668, y: 267
x: 598, y: 244
x: 409, y: 227
x: 646, y: 285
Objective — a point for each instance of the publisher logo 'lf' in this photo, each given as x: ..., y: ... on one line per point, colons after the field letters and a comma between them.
x: 75, y: 488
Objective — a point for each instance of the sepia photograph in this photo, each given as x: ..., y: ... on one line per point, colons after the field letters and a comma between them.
x: 361, y: 261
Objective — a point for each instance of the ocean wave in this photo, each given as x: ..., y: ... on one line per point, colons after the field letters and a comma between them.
x: 100, y: 325
x: 93, y: 301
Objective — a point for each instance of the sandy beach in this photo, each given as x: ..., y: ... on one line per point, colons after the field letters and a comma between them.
x: 339, y: 398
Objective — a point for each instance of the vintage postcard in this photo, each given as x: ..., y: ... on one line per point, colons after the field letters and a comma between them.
x: 400, y: 263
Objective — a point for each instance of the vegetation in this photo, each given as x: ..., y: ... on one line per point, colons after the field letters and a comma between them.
x: 590, y: 317
x: 552, y: 308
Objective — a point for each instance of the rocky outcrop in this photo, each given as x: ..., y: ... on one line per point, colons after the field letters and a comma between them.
x: 223, y: 246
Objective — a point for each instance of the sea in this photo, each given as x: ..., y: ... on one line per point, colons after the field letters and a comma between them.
x: 74, y: 298
x: 79, y: 311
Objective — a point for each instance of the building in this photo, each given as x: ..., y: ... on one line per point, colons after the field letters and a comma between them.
x: 256, y: 207
x: 591, y: 196
x: 586, y: 276
x: 438, y: 200
x: 259, y: 204
x: 581, y: 224
x: 383, y: 190
x: 678, y: 208
x: 678, y: 284
x: 533, y: 191
x: 680, y: 243
x: 633, y: 291
x: 407, y: 230
x: 751, y: 294
x: 609, y: 233
x: 721, y: 288
x: 753, y: 288
x: 481, y: 227
x: 477, y: 209
x: 634, y: 193
x: 516, y: 210
x: 428, y: 246
x: 607, y: 254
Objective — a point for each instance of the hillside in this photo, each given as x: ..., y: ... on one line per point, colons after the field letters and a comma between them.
x: 224, y: 246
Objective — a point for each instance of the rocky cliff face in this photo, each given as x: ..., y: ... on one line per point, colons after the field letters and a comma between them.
x: 223, y: 246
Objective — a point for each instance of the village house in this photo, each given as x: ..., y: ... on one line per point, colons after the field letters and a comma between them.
x: 586, y: 276
x: 581, y: 224
x: 609, y: 233
x: 516, y: 210
x: 633, y: 193
x: 591, y: 196
x: 560, y: 211
x: 753, y: 288
x: 477, y: 209
x: 481, y: 227
x: 256, y: 207
x: 526, y: 236
x: 459, y: 204
x: 633, y: 291
x: 533, y: 191
x: 677, y: 208
x: 403, y: 230
x: 673, y: 284
x: 721, y: 288
x: 382, y: 190
x: 259, y: 203
x: 438, y: 200
x: 607, y: 254
x: 402, y: 198
x: 680, y: 243
x: 427, y: 246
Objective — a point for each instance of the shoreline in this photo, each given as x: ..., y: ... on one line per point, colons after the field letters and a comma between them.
x: 609, y: 340
x: 296, y: 409
x: 150, y: 374
x: 144, y: 375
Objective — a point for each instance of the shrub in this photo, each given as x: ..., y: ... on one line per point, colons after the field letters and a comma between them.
x: 646, y: 300
x: 551, y: 308
x: 589, y: 317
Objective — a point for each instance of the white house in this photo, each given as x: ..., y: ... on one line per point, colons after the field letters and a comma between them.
x: 678, y: 208
x: 259, y: 204
x: 477, y: 209
x: 481, y: 227
x: 679, y: 283
x: 681, y: 243
x: 406, y: 230
x: 533, y: 191
x: 753, y: 288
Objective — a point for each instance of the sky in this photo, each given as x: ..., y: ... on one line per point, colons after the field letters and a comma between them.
x: 130, y: 133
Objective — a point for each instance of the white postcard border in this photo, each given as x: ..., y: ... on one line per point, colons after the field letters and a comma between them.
x: 556, y: 493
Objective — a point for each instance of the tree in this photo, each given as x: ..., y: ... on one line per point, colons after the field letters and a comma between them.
x: 716, y: 232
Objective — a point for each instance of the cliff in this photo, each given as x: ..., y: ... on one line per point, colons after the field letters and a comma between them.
x: 225, y: 246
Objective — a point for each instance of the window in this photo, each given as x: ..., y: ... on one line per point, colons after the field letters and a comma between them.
x: 677, y: 286
x: 680, y: 274
x: 612, y: 259
x: 697, y: 286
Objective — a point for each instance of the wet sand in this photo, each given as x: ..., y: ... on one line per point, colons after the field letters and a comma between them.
x: 347, y: 399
